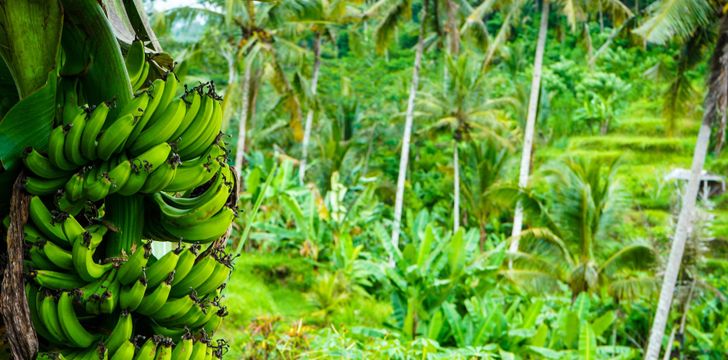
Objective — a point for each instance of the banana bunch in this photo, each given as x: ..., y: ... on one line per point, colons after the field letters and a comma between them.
x: 91, y: 298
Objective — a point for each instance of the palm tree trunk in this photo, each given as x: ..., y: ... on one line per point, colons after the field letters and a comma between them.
x: 678, y: 244
x: 409, y: 115
x: 242, y: 126
x: 456, y: 187
x: 309, y: 116
x: 530, y: 122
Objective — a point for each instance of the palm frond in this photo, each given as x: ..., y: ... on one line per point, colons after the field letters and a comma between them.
x: 533, y: 281
x: 631, y: 257
x: 631, y: 288
x: 676, y: 18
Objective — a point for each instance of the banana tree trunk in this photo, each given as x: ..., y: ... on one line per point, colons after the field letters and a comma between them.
x: 242, y: 126
x: 678, y: 244
x: 530, y: 122
x: 309, y: 116
x: 456, y: 187
x: 409, y: 115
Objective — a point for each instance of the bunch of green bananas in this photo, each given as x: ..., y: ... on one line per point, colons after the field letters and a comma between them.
x: 89, y: 301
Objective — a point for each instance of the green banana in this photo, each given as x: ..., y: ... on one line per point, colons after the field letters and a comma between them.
x: 74, y: 186
x: 161, y: 177
x: 170, y: 90
x: 31, y: 293
x: 193, y: 173
x: 147, y: 351
x: 213, y: 324
x: 111, y: 297
x: 91, y: 132
x: 183, y: 349
x: 197, y: 127
x: 153, y: 301
x: 220, y: 192
x: 49, y: 316
x: 38, y: 186
x: 72, y: 143
x: 197, y: 276
x: 60, y: 257
x: 124, y: 352
x: 77, y: 335
x: 132, y: 269
x: 131, y: 296
x: 122, y: 332
x: 60, y: 228
x: 160, y: 128
x: 173, y: 333
x: 136, y: 107
x: 193, y: 107
x: 155, y: 96
x: 134, y: 60
x: 37, y: 260
x: 119, y: 175
x: 143, y: 78
x: 204, y: 232
x: 83, y: 261
x: 164, y: 350
x: 174, y: 308
x: 208, y: 137
x: 185, y: 263
x: 160, y: 269
x: 195, y: 313
x: 56, y: 152
x: 218, y: 277
x: 111, y: 140
x: 41, y: 166
x: 97, y: 185
x: 153, y: 158
x: 199, y: 350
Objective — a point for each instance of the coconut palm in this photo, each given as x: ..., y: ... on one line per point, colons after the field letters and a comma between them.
x: 681, y: 19
x: 576, y: 13
x: 572, y: 246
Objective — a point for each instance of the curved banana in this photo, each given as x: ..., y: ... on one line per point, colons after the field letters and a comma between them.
x: 142, y: 78
x: 161, y: 177
x: 204, y: 232
x: 121, y: 333
x: 133, y: 268
x: 193, y: 173
x: 153, y: 301
x: 161, y: 128
x: 201, y: 121
x: 56, y: 152
x: 97, y: 185
x: 213, y: 324
x: 58, y: 256
x: 174, y: 308
x: 37, y: 260
x: 199, y: 350
x: 91, y: 132
x: 48, y: 312
x: 119, y: 175
x: 134, y: 60
x: 131, y: 296
x: 197, y: 276
x: 170, y: 90
x: 72, y: 143
x: 124, y: 352
x: 83, y: 261
x: 136, y: 107
x: 185, y: 263
x: 153, y: 158
x: 31, y: 293
x: 74, y: 186
x: 77, y: 335
x: 155, y: 96
x: 212, y: 204
x: 193, y: 107
x: 111, y: 140
x: 209, y: 136
x: 38, y: 186
x: 147, y: 351
x: 60, y: 228
x: 160, y: 269
x: 183, y: 349
x: 164, y: 350
x: 41, y: 166
x: 218, y: 277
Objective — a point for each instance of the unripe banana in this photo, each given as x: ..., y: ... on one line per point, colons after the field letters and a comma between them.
x: 160, y: 128
x: 111, y: 140
x: 161, y: 177
x: 213, y: 324
x: 60, y: 257
x: 91, y: 132
x: 155, y: 96
x: 136, y: 107
x: 208, y: 137
x: 160, y: 269
x: 38, y: 186
x: 185, y: 263
x: 31, y: 293
x: 199, y: 350
x: 56, y: 145
x: 204, y: 232
x: 194, y: 102
x: 124, y: 352
x: 97, y: 185
x: 49, y: 315
x: 199, y: 124
x: 143, y: 78
x: 60, y: 228
x: 174, y: 308
x: 41, y: 166
x: 74, y: 186
x: 132, y: 269
x: 218, y: 277
x: 153, y: 301
x: 134, y: 60
x: 212, y: 204
x: 183, y: 349
x: 72, y: 143
x: 164, y: 350
x: 119, y: 175
x: 38, y: 260
x: 147, y: 351
x: 170, y: 90
x: 132, y: 295
x: 83, y: 261
x: 77, y: 335
x: 121, y: 333
x: 200, y: 272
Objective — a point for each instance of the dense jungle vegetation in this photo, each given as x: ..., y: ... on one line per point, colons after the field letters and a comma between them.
x: 325, y: 98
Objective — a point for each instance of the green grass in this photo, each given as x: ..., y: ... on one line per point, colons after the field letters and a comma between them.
x: 677, y: 146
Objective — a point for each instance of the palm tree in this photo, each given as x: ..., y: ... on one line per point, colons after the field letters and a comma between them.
x: 572, y: 246
x: 321, y: 22
x: 575, y: 13
x: 681, y: 19
x: 397, y: 10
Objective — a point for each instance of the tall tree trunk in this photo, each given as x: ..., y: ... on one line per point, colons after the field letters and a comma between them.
x: 678, y: 244
x: 242, y: 126
x: 309, y: 116
x: 530, y: 122
x: 409, y: 115
x: 456, y: 187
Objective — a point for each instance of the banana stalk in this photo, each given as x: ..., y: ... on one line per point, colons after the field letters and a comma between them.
x: 127, y: 213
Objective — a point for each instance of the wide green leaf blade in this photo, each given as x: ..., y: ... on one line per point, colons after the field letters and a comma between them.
x: 587, y: 342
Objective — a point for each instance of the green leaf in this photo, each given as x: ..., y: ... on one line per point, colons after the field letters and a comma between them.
x: 8, y: 93
x: 545, y: 353
x: 602, y: 323
x: 28, y: 123
x: 423, y: 253
x: 587, y: 342
x: 539, y: 339
x: 435, y: 325
x: 454, y: 320
x: 581, y: 306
